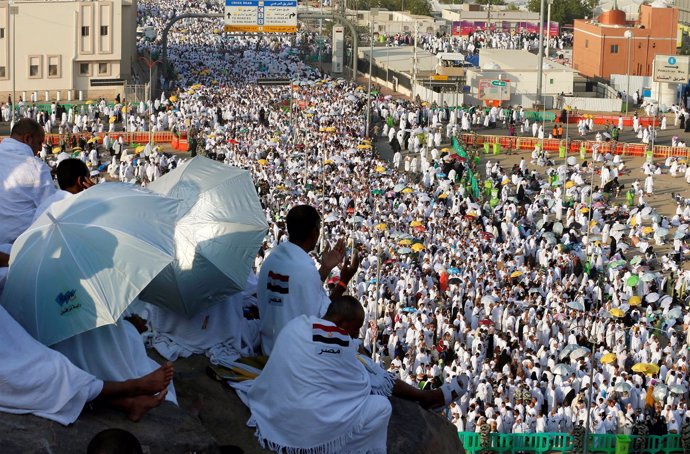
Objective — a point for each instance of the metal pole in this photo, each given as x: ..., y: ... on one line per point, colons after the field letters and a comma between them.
x: 541, y: 50
x: 414, y: 63
x: 371, y: 59
x: 628, y: 34
x: 150, y: 107
x: 13, y: 12
x: 548, y: 28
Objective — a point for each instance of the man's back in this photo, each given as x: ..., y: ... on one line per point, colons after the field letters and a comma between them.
x: 26, y: 182
x: 289, y: 286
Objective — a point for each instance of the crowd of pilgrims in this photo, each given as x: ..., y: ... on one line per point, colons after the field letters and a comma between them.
x: 518, y: 293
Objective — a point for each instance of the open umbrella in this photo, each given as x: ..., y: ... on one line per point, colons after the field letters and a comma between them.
x: 516, y: 274
x: 608, y: 358
x: 659, y: 392
x: 415, y: 224
x: 562, y: 369
x: 405, y: 242
x: 219, y: 230
x: 86, y: 258
x: 579, y: 352
x: 652, y: 297
x: 404, y: 250
x: 677, y: 389
x: 622, y: 387
x: 633, y: 280
x: 381, y: 227
x: 616, y: 312
x: 567, y: 350
x: 634, y: 301
x: 417, y: 247
x: 577, y: 305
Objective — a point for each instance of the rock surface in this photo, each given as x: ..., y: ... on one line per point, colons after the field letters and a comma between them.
x: 221, y: 422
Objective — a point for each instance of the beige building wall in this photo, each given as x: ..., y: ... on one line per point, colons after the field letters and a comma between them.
x: 62, y: 45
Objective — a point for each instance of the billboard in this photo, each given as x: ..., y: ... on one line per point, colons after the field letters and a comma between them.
x: 261, y: 16
x: 672, y: 69
x: 494, y: 90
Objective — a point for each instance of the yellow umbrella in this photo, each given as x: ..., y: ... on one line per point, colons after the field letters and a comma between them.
x: 380, y: 169
x: 328, y: 161
x: 443, y: 196
x: 363, y: 146
x: 516, y: 274
x: 173, y: 98
x: 196, y: 86
x: 639, y: 367
x: 616, y: 312
x: 405, y: 242
x: 652, y: 369
x: 262, y: 162
x: 407, y: 190
x: 112, y: 119
x: 139, y: 149
x: 445, y: 150
x: 124, y: 109
x: 360, y: 88
x: 366, y: 142
x: 381, y: 227
x: 569, y: 184
x: 633, y: 221
x: 415, y: 224
x: 646, y: 368
x: 634, y: 301
x: 56, y: 150
x: 592, y: 223
x: 608, y: 358
x: 89, y: 102
x: 330, y: 129
x: 584, y: 210
x: 417, y: 247
x: 92, y: 140
x: 647, y: 230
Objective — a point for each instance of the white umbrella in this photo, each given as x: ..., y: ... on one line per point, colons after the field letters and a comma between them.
x: 677, y: 389
x: 579, y: 352
x: 86, y: 258
x: 218, y: 233
x: 622, y: 387
x: 660, y: 391
x: 652, y: 297
x: 567, y: 350
x: 562, y: 369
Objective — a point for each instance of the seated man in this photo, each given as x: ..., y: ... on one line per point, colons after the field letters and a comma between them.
x: 37, y: 380
x: 316, y: 379
x: 73, y: 177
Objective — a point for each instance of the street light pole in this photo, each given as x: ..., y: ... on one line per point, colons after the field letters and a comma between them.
x: 13, y: 12
x: 150, y: 63
x: 372, y: 14
x: 628, y: 35
x: 541, y: 50
x: 548, y: 27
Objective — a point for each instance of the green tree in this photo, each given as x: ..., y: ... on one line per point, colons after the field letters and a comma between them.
x: 565, y: 11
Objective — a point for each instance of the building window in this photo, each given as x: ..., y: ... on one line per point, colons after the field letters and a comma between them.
x: 53, y: 66
x: 104, y: 30
x: 614, y: 48
x: 85, y: 31
x: 103, y: 69
x: 84, y: 69
x: 586, y: 43
x: 34, y: 67
x: 2, y: 72
x: 2, y: 33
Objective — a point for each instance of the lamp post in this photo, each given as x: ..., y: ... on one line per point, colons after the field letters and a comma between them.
x: 548, y: 27
x: 628, y: 35
x: 150, y: 63
x: 541, y: 50
x: 14, y: 10
x: 372, y: 15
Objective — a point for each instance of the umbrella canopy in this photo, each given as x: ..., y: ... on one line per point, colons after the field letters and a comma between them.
x: 562, y: 369
x: 634, y: 301
x: 567, y: 350
x: 652, y: 297
x: 633, y: 280
x: 381, y: 227
x: 404, y: 250
x: 577, y: 305
x: 405, y: 242
x: 516, y: 274
x: 219, y: 230
x: 579, y: 352
x: 67, y: 271
x: 608, y: 358
x: 646, y: 368
x: 415, y: 224
x: 616, y: 312
x: 622, y: 387
x: 417, y: 247
x: 677, y: 389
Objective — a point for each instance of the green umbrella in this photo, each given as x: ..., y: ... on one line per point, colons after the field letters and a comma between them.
x: 377, y: 191
x: 633, y: 280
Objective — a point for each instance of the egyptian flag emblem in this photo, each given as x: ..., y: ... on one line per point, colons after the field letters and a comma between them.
x: 331, y: 335
x: 278, y: 283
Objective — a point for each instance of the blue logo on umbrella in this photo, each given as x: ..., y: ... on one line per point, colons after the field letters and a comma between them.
x: 671, y: 60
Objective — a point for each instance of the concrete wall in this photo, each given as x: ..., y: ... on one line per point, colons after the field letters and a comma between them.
x: 594, y: 104
x: 63, y: 45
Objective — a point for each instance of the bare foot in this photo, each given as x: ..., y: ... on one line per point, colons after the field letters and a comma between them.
x: 137, y: 407
x: 153, y: 383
